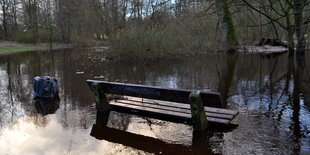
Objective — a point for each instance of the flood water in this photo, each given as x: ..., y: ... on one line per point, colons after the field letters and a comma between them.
x: 272, y: 97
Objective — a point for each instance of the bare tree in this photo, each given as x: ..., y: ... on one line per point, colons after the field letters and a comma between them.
x: 226, y: 21
x: 48, y: 22
x: 4, y: 7
x: 14, y: 10
x: 30, y: 15
x: 299, y: 5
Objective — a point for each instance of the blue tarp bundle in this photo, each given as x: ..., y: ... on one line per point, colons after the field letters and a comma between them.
x: 45, y: 87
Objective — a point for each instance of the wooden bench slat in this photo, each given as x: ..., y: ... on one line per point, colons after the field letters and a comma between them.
x: 165, y: 112
x: 173, y: 108
x: 161, y: 111
x: 222, y: 111
x: 160, y: 102
x: 157, y: 106
x: 151, y: 92
x: 185, y: 106
x: 218, y: 120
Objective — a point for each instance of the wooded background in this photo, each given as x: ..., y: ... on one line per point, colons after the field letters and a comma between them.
x: 161, y: 25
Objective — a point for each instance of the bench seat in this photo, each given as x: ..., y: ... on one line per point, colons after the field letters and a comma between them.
x: 174, y: 109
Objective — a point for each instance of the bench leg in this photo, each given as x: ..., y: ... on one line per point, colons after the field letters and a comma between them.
x: 199, y: 118
x: 102, y: 118
x: 101, y: 102
x: 200, y: 143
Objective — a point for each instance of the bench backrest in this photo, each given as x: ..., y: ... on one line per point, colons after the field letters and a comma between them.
x: 209, y: 99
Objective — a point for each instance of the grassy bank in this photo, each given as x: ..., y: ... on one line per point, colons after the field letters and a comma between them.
x: 15, y: 47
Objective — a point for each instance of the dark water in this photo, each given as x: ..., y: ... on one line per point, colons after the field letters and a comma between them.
x: 272, y: 96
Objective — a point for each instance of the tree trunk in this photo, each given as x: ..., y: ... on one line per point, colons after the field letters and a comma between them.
x: 4, y: 21
x: 35, y: 15
x: 115, y: 17
x: 14, y: 10
x: 290, y: 34
x: 298, y: 9
x: 226, y: 21
x: 290, y: 41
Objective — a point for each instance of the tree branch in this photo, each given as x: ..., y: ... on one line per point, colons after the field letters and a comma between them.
x: 265, y: 14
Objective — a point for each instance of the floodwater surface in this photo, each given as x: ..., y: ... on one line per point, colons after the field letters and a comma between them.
x: 271, y: 94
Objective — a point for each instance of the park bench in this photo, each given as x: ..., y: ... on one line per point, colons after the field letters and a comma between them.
x: 198, y: 107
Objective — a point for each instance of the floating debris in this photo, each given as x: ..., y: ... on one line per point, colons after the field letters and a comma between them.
x: 99, y: 77
x: 79, y: 73
x: 263, y: 49
x: 100, y: 48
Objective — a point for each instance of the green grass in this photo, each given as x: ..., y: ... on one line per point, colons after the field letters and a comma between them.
x: 23, y: 48
x: 18, y: 48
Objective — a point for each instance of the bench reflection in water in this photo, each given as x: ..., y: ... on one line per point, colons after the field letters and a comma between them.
x: 101, y: 131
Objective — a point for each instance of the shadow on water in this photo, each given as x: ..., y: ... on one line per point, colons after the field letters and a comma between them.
x: 271, y: 93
